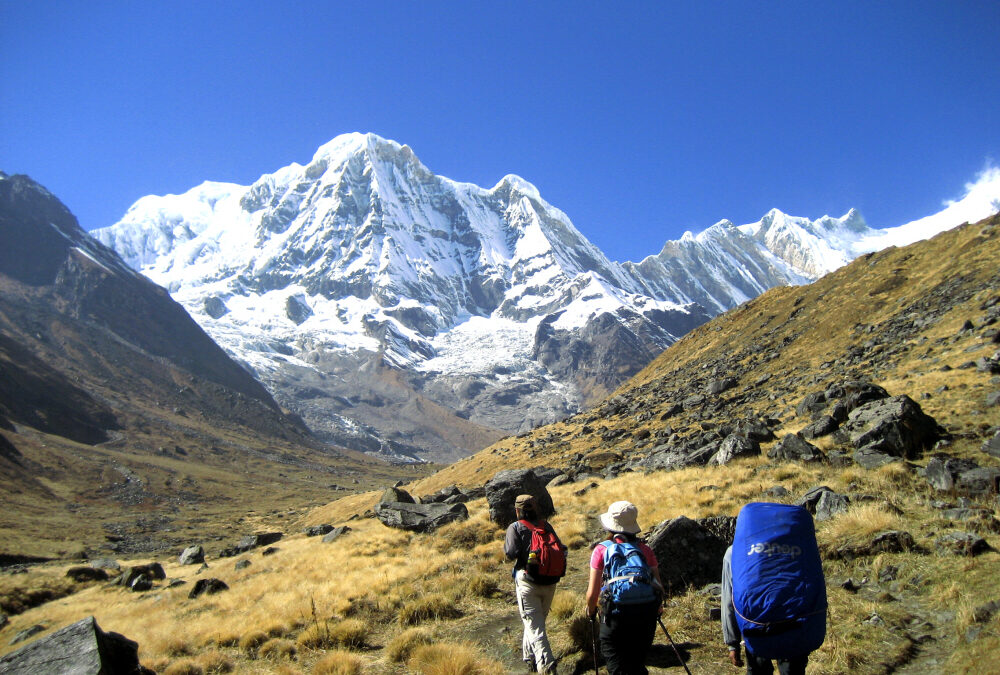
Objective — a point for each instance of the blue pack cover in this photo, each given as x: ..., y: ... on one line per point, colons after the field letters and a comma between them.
x: 779, y: 593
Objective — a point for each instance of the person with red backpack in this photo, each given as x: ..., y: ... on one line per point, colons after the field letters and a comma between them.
x: 539, y: 563
x: 625, y: 582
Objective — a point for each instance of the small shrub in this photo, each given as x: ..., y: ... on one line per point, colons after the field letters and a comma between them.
x: 316, y: 636
x: 252, y: 641
x: 338, y: 663
x: 216, y: 662
x: 277, y: 630
x: 223, y: 639
x: 564, y: 604
x: 185, y: 667
x: 433, y: 606
x: 444, y: 658
x: 349, y: 633
x: 278, y: 648
x: 401, y: 646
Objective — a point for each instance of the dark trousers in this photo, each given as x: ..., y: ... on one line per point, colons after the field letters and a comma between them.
x: 761, y: 666
x: 626, y: 638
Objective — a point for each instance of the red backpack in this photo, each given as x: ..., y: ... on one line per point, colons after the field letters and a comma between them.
x: 551, y: 553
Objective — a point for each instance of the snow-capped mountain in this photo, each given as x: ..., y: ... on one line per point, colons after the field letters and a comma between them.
x: 400, y: 311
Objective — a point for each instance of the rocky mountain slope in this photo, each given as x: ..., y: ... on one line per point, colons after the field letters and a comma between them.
x: 365, y: 291
x: 112, y: 398
x: 869, y: 396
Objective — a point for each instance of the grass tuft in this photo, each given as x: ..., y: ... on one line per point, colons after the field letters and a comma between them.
x: 402, y: 646
x: 338, y: 663
x: 450, y: 658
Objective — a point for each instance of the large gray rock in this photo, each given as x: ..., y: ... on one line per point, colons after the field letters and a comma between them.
x: 895, y: 426
x: 992, y: 446
x: 503, y: 489
x: 192, y: 555
x: 942, y: 472
x: 984, y: 480
x: 830, y: 504
x: 735, y: 446
x: 690, y: 555
x: 961, y: 543
x: 397, y: 494
x: 79, y: 649
x: 419, y: 517
x: 794, y: 448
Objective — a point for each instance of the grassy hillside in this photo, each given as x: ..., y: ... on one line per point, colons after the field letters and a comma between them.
x: 383, y: 601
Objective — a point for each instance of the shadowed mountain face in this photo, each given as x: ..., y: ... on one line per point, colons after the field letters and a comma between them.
x: 112, y: 396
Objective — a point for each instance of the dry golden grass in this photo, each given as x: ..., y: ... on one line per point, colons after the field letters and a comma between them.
x: 338, y: 663
x: 449, y: 658
x: 424, y: 608
x: 401, y: 647
x: 278, y: 648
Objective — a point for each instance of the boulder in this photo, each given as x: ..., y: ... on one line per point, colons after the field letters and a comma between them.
x: 794, y: 448
x: 442, y: 495
x: 503, y: 489
x: 419, y: 517
x: 895, y: 426
x: 719, y: 386
x: 192, y: 555
x: 830, y: 504
x: 208, y: 587
x: 961, y: 543
x: 870, y: 457
x: 723, y: 527
x: 81, y: 648
x: 318, y: 530
x: 981, y: 481
x: 151, y: 571
x: 858, y: 393
x: 250, y: 542
x: 335, y: 533
x: 824, y: 426
x: 735, y: 446
x: 82, y: 574
x: 942, y: 471
x: 690, y: 554
x: 811, y: 498
x: 397, y: 494
x: 992, y: 446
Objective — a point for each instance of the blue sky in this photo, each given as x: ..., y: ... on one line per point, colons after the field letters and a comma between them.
x: 639, y: 120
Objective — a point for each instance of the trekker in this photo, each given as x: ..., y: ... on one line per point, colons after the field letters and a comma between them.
x: 630, y: 603
x: 773, y: 589
x: 756, y: 665
x: 539, y: 562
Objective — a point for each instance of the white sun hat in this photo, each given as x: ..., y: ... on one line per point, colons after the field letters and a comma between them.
x: 621, y: 517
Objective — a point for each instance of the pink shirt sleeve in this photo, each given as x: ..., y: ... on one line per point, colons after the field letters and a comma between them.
x: 597, y: 557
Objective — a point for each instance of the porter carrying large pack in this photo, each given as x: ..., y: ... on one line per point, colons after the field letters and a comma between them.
x: 779, y: 593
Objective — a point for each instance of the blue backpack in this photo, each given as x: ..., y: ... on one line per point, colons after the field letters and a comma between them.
x: 627, y: 579
x: 779, y: 593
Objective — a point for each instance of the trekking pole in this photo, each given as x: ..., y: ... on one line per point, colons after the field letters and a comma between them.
x: 671, y: 640
x: 593, y: 639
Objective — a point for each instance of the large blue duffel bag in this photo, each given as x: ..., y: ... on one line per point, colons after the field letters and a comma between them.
x: 779, y: 593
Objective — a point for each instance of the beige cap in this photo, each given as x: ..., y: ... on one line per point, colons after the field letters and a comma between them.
x: 621, y: 517
x: 524, y: 500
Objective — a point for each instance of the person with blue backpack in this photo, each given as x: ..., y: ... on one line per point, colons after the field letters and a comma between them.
x: 625, y: 585
x: 539, y: 563
x: 773, y: 590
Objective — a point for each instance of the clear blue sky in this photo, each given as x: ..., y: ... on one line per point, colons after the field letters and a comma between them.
x: 639, y: 120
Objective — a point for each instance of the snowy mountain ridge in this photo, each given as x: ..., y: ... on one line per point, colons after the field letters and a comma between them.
x: 489, y: 301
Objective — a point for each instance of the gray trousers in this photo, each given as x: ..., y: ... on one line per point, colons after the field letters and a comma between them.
x: 533, y: 603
